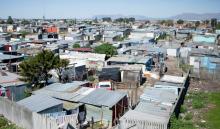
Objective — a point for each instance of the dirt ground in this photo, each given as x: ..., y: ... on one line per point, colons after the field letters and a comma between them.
x: 204, y: 85
x: 195, y: 84
x: 172, y: 68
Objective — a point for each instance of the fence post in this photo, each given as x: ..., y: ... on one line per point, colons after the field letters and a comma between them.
x: 92, y: 121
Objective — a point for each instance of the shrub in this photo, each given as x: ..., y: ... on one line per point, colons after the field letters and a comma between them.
x: 76, y: 45
x: 203, y: 125
x: 188, y: 116
x: 91, y: 78
x: 3, y: 122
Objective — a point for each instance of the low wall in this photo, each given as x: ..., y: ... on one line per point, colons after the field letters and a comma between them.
x: 27, y: 119
x: 16, y: 113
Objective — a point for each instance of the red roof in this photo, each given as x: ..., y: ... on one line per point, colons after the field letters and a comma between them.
x: 51, y: 30
x: 82, y: 49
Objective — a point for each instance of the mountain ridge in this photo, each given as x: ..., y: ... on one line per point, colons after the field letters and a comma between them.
x: 184, y: 16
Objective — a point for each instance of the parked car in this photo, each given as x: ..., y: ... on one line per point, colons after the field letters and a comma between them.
x: 105, y: 85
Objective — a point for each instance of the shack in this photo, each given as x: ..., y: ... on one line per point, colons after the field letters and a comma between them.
x: 147, y: 61
x: 12, y: 85
x: 42, y: 104
x: 105, y: 106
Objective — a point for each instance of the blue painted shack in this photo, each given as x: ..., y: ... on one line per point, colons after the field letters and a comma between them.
x: 209, y: 39
x: 206, y: 65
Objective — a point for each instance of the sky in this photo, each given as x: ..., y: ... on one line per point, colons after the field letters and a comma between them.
x: 89, y: 8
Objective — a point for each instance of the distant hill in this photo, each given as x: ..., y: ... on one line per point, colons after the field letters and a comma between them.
x: 137, y: 17
x: 194, y: 16
x: 184, y: 16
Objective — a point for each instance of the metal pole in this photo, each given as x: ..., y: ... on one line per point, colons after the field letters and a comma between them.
x: 101, y: 115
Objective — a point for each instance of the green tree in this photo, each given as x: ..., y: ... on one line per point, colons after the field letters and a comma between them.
x: 2, y: 21
x: 106, y: 19
x: 206, y: 22
x: 60, y: 67
x: 72, y: 22
x: 147, y: 22
x: 24, y: 33
x: 131, y: 19
x: 10, y: 20
x: 188, y: 25
x: 197, y: 23
x: 169, y: 23
x: 119, y: 20
x: 95, y: 20
x: 166, y: 22
x: 91, y: 78
x: 107, y: 49
x: 125, y: 20
x: 213, y: 23
x: 25, y: 22
x: 35, y: 69
x: 180, y: 21
x: 76, y: 45
x: 162, y: 22
x: 65, y: 20
x: 218, y: 26
x: 119, y: 38
x: 30, y: 72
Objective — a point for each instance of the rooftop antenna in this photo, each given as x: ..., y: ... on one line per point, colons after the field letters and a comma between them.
x: 44, y: 8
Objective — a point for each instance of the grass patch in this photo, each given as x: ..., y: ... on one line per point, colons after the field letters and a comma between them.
x: 183, y: 109
x: 188, y: 116
x: 180, y: 124
x: 196, y: 104
x: 213, y: 115
x: 199, y: 99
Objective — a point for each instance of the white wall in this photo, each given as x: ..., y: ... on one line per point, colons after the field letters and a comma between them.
x: 172, y: 52
x: 138, y: 35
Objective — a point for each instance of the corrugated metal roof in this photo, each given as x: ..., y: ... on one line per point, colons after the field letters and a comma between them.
x: 140, y: 116
x: 101, y: 97
x: 69, y: 96
x: 10, y: 84
x: 8, y: 57
x: 130, y: 59
x: 154, y: 109
x: 10, y: 79
x: 81, y: 93
x: 55, y: 94
x: 173, y: 79
x: 83, y: 56
x: 37, y: 103
x: 70, y: 105
x: 121, y: 58
x: 159, y: 95
x: 131, y: 67
x: 61, y: 87
x: 169, y: 84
